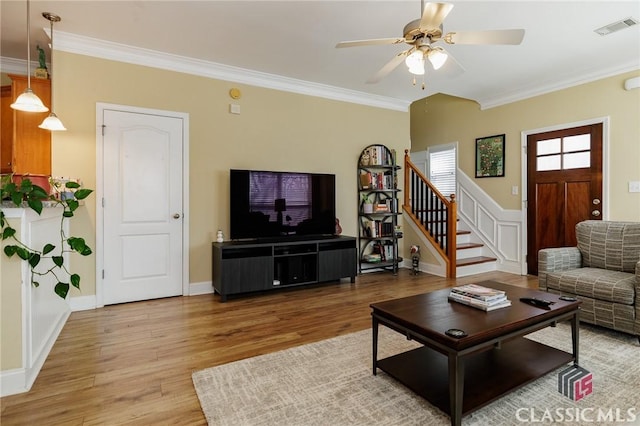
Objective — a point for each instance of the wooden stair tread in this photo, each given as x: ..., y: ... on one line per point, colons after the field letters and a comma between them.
x: 463, y: 246
x: 462, y: 232
x: 474, y: 260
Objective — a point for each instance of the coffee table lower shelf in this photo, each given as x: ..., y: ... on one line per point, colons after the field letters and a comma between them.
x: 488, y: 375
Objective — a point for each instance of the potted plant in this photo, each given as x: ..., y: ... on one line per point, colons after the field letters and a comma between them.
x: 367, y: 205
x: 26, y: 194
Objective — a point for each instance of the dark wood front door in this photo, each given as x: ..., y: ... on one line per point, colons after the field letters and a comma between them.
x: 564, y: 174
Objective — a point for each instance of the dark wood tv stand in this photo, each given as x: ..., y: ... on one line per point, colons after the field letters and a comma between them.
x: 249, y: 266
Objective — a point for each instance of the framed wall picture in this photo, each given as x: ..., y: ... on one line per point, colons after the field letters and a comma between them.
x: 490, y: 156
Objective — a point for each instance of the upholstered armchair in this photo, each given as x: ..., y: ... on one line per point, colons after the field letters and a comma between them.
x: 603, y: 271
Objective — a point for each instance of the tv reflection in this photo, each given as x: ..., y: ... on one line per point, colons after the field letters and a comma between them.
x: 264, y: 225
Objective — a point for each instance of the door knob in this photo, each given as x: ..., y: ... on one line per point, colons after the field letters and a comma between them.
x: 596, y: 213
x: 596, y: 201
x: 176, y: 216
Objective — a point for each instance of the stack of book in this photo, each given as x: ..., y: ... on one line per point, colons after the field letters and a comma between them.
x: 376, y: 180
x: 480, y: 297
x: 377, y: 229
x: 380, y: 156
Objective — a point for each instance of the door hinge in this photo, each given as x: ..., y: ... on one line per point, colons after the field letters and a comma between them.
x: 103, y: 274
x: 103, y: 126
x: 102, y: 202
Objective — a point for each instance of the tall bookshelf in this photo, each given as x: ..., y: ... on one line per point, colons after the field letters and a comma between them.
x: 378, y: 231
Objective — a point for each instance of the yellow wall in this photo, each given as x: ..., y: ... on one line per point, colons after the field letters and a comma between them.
x: 442, y: 119
x: 276, y: 130
x: 11, y: 309
x: 285, y: 131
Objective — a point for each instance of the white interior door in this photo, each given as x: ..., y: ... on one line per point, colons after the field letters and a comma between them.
x: 142, y: 206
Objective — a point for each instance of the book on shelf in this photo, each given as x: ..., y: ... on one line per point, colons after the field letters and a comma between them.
x: 478, y: 292
x: 386, y: 249
x: 381, y: 251
x: 376, y: 180
x: 377, y: 229
x: 372, y: 258
x: 365, y: 180
x: 378, y: 155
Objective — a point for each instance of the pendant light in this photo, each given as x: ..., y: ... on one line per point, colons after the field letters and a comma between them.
x: 29, y: 101
x: 52, y: 122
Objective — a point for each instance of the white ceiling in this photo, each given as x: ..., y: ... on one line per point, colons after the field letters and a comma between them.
x: 293, y: 42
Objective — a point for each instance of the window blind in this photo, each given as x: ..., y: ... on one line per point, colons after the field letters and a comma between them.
x: 442, y: 170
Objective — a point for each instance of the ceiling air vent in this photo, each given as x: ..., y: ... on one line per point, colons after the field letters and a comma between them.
x: 617, y: 26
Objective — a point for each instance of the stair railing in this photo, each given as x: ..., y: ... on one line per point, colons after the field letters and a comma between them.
x: 432, y: 212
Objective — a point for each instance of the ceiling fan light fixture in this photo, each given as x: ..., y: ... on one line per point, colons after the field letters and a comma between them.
x: 415, y: 62
x: 437, y: 58
x: 417, y: 69
x: 423, y: 34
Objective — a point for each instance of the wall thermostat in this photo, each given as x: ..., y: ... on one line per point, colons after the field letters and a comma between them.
x: 235, y: 93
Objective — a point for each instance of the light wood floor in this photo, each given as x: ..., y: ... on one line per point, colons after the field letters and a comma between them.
x: 132, y: 363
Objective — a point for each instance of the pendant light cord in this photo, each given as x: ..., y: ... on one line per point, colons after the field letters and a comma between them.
x: 51, y: 65
x: 28, y: 45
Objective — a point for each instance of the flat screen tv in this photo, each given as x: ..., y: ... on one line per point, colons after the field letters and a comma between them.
x: 269, y: 204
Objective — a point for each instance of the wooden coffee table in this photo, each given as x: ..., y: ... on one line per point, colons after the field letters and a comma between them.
x: 460, y: 375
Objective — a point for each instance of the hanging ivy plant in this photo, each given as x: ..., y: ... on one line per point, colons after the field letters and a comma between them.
x: 34, y: 197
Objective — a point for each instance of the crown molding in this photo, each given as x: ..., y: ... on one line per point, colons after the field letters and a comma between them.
x: 87, y: 46
x: 16, y: 66
x: 542, y: 89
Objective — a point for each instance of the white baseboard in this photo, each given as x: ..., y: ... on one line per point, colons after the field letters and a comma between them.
x: 82, y: 303
x: 512, y: 268
x: 85, y: 303
x: 13, y: 382
x: 204, y: 287
x: 20, y: 380
x: 429, y: 268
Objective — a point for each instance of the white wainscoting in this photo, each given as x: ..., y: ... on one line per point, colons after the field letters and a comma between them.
x: 43, y: 312
x: 498, y: 229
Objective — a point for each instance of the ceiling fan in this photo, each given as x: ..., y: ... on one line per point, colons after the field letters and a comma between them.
x: 422, y: 35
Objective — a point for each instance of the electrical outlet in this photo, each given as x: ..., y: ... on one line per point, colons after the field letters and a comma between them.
x: 634, y: 186
x: 514, y: 190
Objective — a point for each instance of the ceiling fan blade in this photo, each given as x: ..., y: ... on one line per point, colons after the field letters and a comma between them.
x: 485, y: 37
x: 433, y: 15
x: 370, y: 42
x: 389, y: 66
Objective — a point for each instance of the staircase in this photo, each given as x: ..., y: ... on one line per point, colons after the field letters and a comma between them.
x: 436, y: 217
x: 471, y: 257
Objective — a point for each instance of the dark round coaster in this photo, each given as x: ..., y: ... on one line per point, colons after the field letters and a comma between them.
x: 454, y: 332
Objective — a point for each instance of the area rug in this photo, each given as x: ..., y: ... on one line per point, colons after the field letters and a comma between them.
x: 330, y: 383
